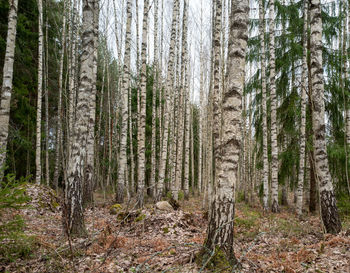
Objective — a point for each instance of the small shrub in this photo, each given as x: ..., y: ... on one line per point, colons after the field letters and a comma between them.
x: 181, y: 195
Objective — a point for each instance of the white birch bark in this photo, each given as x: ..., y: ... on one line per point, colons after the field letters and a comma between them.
x: 300, y: 189
x: 274, y: 147
x: 6, y: 89
x: 78, y: 160
x: 39, y: 98
x: 329, y: 210
x: 263, y: 102
x: 59, y: 108
x: 122, y: 174
x: 154, y: 106
x: 167, y: 105
x: 220, y: 229
x: 142, y: 129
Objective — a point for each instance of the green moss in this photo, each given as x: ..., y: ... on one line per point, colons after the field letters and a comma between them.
x: 166, y: 230
x: 217, y: 261
x: 141, y: 217
x: 115, y: 209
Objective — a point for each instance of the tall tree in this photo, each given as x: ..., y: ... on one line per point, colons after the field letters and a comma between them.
x: 39, y: 98
x: 142, y: 128
x: 220, y: 229
x: 167, y: 104
x: 73, y: 207
x: 59, y: 108
x: 300, y: 188
x: 263, y: 106
x: 329, y: 210
x: 6, y: 89
x: 274, y: 148
x: 122, y: 174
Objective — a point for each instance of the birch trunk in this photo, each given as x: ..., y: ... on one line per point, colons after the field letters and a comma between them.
x: 73, y: 209
x: 263, y: 102
x: 59, y: 108
x: 167, y: 105
x: 47, y: 164
x: 329, y: 210
x: 142, y: 129
x: 90, y: 141
x: 274, y: 148
x: 154, y: 106
x: 6, y: 89
x: 122, y: 174
x: 300, y: 189
x: 39, y: 99
x: 220, y: 229
x: 216, y: 87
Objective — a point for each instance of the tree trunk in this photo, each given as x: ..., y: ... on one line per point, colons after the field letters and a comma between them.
x: 300, y: 192
x: 6, y: 89
x: 90, y: 141
x: 78, y: 160
x: 220, y: 229
x: 329, y: 210
x: 274, y: 148
x: 142, y: 129
x: 122, y: 174
x: 167, y: 107
x: 59, y: 108
x: 39, y: 99
x: 263, y: 102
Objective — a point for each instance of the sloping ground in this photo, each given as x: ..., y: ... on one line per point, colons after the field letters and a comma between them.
x: 155, y: 241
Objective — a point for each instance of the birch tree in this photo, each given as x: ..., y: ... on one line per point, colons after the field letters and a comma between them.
x: 274, y: 148
x: 39, y: 98
x: 329, y: 210
x: 59, y: 108
x: 142, y: 128
x: 263, y: 102
x: 167, y: 104
x: 220, y: 229
x: 300, y: 188
x: 122, y: 174
x: 73, y: 207
x: 6, y: 89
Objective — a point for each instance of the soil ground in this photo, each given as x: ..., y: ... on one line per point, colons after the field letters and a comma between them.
x: 150, y: 240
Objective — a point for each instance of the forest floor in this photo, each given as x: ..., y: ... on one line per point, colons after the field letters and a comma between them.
x: 151, y: 240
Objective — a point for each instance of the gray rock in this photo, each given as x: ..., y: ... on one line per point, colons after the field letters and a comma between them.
x: 164, y: 205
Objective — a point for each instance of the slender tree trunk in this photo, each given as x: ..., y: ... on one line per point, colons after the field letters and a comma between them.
x: 90, y: 141
x: 167, y: 106
x: 78, y: 161
x: 329, y: 210
x: 122, y: 174
x: 187, y: 143
x: 154, y: 106
x: 274, y: 148
x: 263, y: 102
x: 142, y: 129
x: 132, y: 158
x: 220, y: 229
x: 39, y: 99
x: 59, y: 108
x: 216, y: 87
x: 299, y: 205
x: 47, y: 164
x: 6, y: 89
